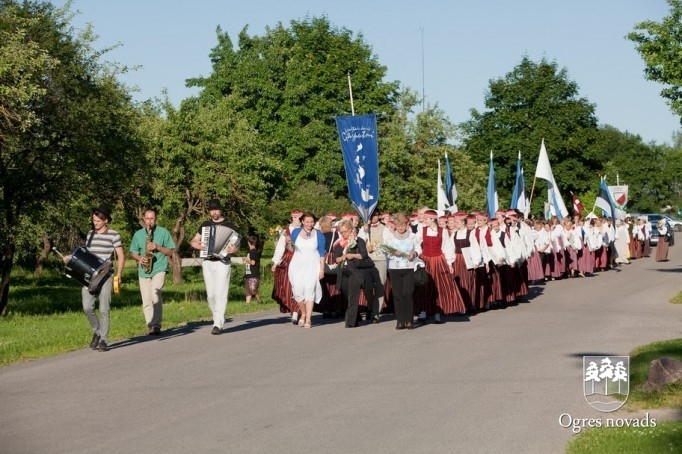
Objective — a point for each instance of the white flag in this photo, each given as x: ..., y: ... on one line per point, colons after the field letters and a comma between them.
x: 544, y: 171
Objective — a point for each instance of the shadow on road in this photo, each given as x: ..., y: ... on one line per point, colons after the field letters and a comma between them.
x: 165, y: 335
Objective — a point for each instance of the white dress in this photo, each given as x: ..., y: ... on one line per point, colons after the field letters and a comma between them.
x: 304, y: 269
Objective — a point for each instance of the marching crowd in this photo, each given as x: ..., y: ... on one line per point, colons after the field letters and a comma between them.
x: 422, y: 264
x: 430, y: 266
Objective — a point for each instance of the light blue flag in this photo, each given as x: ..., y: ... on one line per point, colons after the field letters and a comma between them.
x: 519, y: 200
x: 358, y: 136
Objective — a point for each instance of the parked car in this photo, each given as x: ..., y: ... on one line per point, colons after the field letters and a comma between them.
x: 674, y: 225
x: 654, y: 218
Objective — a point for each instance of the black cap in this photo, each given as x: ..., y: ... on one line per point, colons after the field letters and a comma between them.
x: 214, y: 204
x: 102, y: 211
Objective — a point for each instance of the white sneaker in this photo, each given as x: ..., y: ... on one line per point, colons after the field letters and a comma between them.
x: 422, y: 315
x: 294, y: 318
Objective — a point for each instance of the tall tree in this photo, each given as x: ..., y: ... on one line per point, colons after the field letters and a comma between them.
x: 66, y: 125
x: 410, y: 147
x: 660, y: 45
x: 532, y: 102
x: 203, y: 151
x: 634, y: 162
x: 293, y: 82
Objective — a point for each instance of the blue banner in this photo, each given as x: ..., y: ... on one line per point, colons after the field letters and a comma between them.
x: 358, y: 136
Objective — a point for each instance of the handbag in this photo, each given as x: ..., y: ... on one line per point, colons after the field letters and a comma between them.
x: 420, y: 276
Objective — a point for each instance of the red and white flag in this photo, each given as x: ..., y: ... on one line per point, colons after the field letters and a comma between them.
x: 577, y: 204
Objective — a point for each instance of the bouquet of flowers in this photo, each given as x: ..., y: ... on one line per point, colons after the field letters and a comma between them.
x: 390, y: 250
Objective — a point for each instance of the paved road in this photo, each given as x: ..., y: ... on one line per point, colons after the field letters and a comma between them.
x: 496, y: 382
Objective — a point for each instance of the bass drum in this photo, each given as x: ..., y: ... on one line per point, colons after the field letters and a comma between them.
x: 88, y: 269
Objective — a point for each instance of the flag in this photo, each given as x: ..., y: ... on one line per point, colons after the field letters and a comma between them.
x: 544, y: 171
x: 577, y: 204
x: 605, y: 201
x: 358, y: 136
x: 492, y: 191
x: 519, y: 200
x: 450, y: 189
x: 442, y: 199
x: 619, y: 195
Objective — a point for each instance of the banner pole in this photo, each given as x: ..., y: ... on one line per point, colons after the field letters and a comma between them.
x: 531, y: 191
x: 350, y: 90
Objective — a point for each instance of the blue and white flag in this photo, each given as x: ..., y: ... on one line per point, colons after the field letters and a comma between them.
x: 493, y: 203
x: 358, y: 136
x: 519, y: 200
x: 605, y: 201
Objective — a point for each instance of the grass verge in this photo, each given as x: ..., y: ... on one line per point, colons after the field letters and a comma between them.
x: 44, y: 316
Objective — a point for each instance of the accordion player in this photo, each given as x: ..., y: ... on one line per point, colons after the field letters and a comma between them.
x: 216, y: 239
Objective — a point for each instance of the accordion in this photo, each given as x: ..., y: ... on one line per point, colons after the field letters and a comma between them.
x: 215, y: 240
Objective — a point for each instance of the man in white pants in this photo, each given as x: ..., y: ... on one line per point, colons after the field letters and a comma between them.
x: 216, y: 271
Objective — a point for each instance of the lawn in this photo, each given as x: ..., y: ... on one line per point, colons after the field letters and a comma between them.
x: 44, y: 316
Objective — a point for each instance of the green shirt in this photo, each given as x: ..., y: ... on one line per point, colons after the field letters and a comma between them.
x: 138, y: 246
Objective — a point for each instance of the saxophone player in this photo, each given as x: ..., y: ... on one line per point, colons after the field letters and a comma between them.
x: 151, y: 246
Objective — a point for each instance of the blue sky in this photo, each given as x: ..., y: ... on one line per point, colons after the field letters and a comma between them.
x: 465, y: 44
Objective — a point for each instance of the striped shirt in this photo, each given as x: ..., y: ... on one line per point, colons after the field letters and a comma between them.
x: 103, y: 244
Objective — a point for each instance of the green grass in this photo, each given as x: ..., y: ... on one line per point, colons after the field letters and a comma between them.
x: 677, y: 299
x: 640, y: 360
x: 44, y: 315
x: 666, y: 437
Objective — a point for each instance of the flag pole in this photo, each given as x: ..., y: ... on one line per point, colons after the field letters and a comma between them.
x: 595, y: 200
x: 532, y: 190
x: 350, y: 90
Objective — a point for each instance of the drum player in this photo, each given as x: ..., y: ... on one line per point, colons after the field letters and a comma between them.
x: 101, y: 241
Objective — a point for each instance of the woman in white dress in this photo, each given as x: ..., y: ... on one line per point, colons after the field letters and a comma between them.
x: 306, y: 268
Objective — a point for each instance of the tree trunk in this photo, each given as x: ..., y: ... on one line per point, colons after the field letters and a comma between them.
x: 178, y: 235
x: 6, y: 263
x: 47, y: 247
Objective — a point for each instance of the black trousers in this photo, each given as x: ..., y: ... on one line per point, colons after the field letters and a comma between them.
x: 402, y: 287
x: 350, y: 289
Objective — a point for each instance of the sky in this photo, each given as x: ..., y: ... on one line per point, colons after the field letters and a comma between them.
x: 448, y: 49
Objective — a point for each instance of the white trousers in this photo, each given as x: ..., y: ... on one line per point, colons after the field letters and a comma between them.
x: 217, y: 280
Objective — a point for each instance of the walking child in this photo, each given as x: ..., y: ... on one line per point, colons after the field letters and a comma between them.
x: 252, y: 273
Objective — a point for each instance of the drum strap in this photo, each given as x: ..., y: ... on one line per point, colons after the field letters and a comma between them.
x: 89, y: 242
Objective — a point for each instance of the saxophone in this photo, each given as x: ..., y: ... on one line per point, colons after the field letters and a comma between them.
x: 147, y: 267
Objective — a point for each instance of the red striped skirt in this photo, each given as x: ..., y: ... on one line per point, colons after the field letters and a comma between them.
x: 601, y: 258
x: 494, y: 284
x: 586, y: 261
x: 281, y: 289
x: 559, y: 263
x: 466, y: 281
x: 535, y: 271
x: 440, y: 294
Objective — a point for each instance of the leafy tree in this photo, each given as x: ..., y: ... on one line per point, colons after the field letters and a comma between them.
x: 634, y: 162
x: 293, y: 82
x: 660, y: 46
x: 204, y: 151
x: 66, y: 125
x: 532, y: 102
x: 410, y: 147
